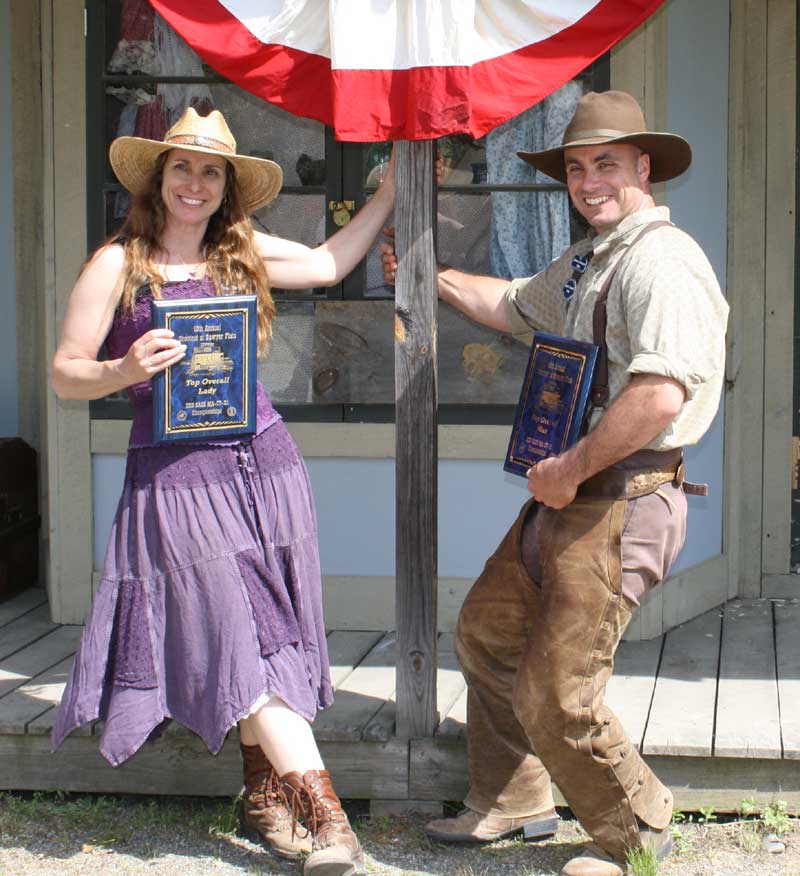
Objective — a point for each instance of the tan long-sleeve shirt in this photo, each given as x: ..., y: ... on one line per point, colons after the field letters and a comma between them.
x: 666, y: 314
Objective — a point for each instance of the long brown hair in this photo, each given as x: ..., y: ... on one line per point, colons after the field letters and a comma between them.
x: 234, y: 264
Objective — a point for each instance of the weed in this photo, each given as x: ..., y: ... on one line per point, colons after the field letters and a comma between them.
x: 678, y: 816
x: 90, y: 814
x: 707, y: 815
x: 381, y: 823
x: 381, y: 829
x: 750, y: 837
x: 679, y: 841
x: 225, y: 820
x: 470, y: 870
x: 420, y: 840
x: 775, y: 818
x: 642, y: 862
x: 748, y: 807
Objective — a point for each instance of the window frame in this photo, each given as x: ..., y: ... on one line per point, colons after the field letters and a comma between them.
x: 344, y: 181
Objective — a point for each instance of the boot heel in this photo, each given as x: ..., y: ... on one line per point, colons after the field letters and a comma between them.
x: 541, y: 829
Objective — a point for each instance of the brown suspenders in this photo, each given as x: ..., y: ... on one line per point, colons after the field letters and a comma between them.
x: 599, y: 323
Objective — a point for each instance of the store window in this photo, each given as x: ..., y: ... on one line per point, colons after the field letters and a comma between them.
x: 496, y: 215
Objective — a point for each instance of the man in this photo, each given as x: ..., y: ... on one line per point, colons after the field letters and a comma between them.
x: 537, y: 633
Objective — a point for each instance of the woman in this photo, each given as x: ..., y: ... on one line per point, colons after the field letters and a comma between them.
x: 210, y: 609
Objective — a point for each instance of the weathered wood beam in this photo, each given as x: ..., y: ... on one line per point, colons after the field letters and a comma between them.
x: 416, y: 400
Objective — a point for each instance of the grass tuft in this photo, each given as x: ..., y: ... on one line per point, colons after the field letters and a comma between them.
x: 750, y: 838
x: 470, y: 870
x: 642, y: 862
x: 224, y: 820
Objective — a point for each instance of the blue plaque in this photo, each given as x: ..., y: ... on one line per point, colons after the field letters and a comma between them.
x: 553, y: 402
x: 211, y: 392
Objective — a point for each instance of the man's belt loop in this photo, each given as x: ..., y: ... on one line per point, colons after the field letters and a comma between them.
x: 689, y: 487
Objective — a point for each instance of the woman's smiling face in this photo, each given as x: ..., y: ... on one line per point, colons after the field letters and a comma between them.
x: 193, y: 185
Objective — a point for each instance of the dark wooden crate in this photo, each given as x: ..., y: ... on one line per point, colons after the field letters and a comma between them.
x: 19, y: 517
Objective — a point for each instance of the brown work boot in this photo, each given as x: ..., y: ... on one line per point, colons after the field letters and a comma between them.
x: 660, y: 841
x: 475, y: 827
x: 264, y: 815
x: 336, y: 849
x: 594, y: 861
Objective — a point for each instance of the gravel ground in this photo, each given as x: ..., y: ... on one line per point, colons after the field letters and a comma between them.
x: 43, y: 835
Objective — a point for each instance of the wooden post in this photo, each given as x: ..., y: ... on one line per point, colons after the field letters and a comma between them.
x: 416, y: 401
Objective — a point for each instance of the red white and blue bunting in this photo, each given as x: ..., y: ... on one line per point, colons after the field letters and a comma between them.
x: 403, y: 69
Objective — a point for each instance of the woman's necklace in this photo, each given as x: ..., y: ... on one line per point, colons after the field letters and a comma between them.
x: 197, y: 271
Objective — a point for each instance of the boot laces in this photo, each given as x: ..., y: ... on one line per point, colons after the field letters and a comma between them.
x: 317, y: 812
x: 268, y: 795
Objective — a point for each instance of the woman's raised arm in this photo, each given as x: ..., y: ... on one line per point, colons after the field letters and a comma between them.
x: 295, y: 266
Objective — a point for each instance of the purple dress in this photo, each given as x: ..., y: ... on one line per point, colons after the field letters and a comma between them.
x: 211, y: 594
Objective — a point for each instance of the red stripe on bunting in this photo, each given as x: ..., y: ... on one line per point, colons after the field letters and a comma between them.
x: 296, y: 81
x: 416, y: 104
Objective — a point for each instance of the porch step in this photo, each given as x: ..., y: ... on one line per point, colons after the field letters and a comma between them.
x: 714, y: 704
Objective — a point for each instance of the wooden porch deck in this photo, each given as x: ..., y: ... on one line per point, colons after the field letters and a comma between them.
x: 714, y: 705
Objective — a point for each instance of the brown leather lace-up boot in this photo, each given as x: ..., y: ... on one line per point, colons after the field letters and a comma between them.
x: 264, y: 815
x: 336, y: 849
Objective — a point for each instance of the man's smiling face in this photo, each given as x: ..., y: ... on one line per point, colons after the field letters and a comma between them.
x: 607, y: 182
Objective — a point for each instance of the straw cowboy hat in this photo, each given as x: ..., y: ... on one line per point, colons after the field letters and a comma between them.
x: 614, y: 117
x: 134, y: 158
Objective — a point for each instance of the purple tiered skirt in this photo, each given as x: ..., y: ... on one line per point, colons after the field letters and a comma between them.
x: 210, y: 599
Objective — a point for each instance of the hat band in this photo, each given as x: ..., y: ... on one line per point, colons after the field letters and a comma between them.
x: 594, y: 133
x: 194, y: 140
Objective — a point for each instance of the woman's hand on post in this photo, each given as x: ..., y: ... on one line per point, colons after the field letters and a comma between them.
x: 388, y: 254
x: 387, y: 172
x: 388, y: 257
x: 152, y: 352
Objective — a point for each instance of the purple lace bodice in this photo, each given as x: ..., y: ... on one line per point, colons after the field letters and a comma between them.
x: 127, y: 327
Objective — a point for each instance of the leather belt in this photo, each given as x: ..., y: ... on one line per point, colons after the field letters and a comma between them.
x: 629, y: 478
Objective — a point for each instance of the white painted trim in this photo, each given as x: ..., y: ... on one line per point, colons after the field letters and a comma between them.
x: 744, y: 420
x: 345, y: 440
x: 28, y: 159
x: 110, y: 436
x: 69, y: 509
x: 367, y: 602
x: 639, y: 65
x: 781, y: 586
x: 49, y: 457
x: 779, y: 282
x: 761, y: 231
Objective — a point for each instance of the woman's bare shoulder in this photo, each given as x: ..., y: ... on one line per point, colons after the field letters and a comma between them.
x: 109, y: 256
x: 104, y: 272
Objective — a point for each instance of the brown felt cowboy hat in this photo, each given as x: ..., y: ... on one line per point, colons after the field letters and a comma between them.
x: 614, y: 117
x: 134, y: 158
